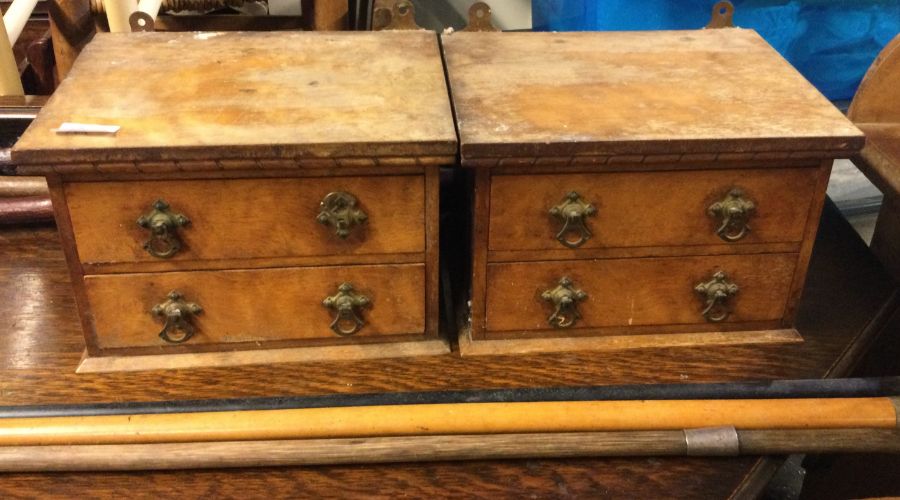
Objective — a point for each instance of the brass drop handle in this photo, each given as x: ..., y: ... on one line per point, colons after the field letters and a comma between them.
x: 346, y: 303
x: 715, y: 294
x: 163, y: 224
x: 734, y: 213
x: 572, y: 212
x: 564, y: 298
x: 177, y: 314
x: 339, y: 210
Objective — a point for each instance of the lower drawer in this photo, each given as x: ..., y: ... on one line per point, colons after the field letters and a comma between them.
x: 260, y: 305
x: 628, y: 293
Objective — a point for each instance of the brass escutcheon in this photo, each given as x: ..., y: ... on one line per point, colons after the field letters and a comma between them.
x: 715, y: 293
x: 573, y: 211
x: 338, y: 209
x: 564, y: 298
x: 163, y: 225
x: 733, y: 212
x: 345, y: 303
x: 177, y: 315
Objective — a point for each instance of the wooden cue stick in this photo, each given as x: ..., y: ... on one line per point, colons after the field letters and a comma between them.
x: 428, y: 448
x: 15, y: 187
x: 458, y: 418
x: 25, y: 210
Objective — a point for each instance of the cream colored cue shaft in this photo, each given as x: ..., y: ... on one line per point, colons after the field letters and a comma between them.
x: 16, y: 16
x: 446, y: 419
x: 10, y: 82
x: 118, y: 13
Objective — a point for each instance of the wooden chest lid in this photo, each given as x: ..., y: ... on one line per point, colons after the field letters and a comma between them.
x: 249, y: 96
x: 559, y: 98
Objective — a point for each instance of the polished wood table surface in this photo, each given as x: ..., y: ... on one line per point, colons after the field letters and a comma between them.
x: 848, y: 301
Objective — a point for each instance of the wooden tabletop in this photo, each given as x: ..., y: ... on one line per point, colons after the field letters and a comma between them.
x: 253, y: 94
x: 847, y: 298
x: 702, y: 91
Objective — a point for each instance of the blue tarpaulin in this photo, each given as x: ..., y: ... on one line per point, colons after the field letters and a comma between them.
x: 831, y: 42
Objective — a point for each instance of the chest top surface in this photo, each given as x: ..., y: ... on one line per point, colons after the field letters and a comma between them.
x: 638, y: 93
x: 249, y: 95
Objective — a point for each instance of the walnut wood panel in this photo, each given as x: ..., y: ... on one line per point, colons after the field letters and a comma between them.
x: 256, y: 305
x: 249, y: 95
x: 637, y: 292
x: 247, y: 218
x: 647, y: 209
x: 557, y: 96
x: 41, y: 344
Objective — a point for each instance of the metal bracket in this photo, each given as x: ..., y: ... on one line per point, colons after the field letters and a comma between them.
x: 402, y: 17
x: 722, y: 15
x: 712, y: 441
x: 141, y: 21
x: 480, y: 18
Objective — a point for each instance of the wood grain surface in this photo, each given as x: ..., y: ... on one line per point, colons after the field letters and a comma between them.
x: 249, y: 94
x: 637, y: 292
x: 247, y: 218
x: 41, y: 344
x: 564, y: 94
x: 649, y: 209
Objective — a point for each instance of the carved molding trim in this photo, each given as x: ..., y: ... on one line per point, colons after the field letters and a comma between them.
x: 232, y: 164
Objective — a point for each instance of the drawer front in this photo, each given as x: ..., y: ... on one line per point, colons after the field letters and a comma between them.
x: 247, y: 218
x: 257, y: 305
x: 649, y: 209
x: 636, y: 292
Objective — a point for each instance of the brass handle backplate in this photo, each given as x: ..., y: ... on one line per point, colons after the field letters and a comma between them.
x: 338, y: 209
x: 346, y: 303
x: 564, y: 298
x: 733, y: 212
x: 177, y: 314
x: 715, y: 294
x: 572, y: 212
x: 163, y: 225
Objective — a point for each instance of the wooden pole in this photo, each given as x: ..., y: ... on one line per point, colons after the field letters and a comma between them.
x: 10, y: 81
x: 15, y: 187
x: 16, y: 16
x: 180, y: 456
x: 764, y: 389
x: 118, y: 13
x: 25, y: 210
x: 440, y: 419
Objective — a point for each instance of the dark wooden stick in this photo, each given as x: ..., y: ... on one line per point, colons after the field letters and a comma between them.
x: 768, y: 389
x: 430, y: 448
x: 25, y: 209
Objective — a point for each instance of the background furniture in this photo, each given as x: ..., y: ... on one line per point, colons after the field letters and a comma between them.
x: 876, y: 111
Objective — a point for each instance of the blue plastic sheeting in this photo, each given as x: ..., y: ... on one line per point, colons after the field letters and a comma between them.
x: 831, y: 42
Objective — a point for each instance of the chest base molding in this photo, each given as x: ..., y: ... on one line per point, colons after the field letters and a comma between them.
x: 354, y: 352
x: 470, y: 347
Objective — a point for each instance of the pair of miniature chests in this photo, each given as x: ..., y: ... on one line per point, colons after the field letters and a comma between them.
x: 275, y: 196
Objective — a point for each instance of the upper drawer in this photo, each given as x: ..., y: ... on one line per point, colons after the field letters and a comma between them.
x: 258, y: 305
x: 248, y: 218
x: 650, y: 209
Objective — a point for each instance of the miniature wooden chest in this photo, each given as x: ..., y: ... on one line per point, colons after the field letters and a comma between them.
x: 638, y: 189
x: 268, y: 196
